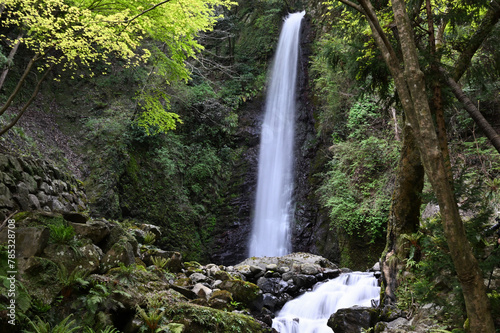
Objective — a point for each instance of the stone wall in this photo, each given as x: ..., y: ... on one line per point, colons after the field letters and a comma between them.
x: 31, y: 184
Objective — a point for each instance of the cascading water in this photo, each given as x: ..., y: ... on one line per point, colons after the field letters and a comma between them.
x: 310, y: 312
x: 270, y: 233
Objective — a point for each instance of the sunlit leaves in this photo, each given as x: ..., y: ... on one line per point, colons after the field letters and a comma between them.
x: 76, y: 34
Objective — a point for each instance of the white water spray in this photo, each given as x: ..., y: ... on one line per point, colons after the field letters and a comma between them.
x: 271, y: 225
x: 310, y: 312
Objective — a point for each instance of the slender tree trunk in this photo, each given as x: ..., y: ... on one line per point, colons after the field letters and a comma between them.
x: 405, y: 212
x: 437, y: 101
x: 475, y: 114
x: 12, y: 53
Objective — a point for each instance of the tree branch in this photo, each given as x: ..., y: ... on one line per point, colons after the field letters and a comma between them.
x: 489, y: 21
x: 145, y: 11
x: 471, y: 109
x: 353, y: 5
x: 20, y: 83
x: 12, y: 53
x: 28, y: 103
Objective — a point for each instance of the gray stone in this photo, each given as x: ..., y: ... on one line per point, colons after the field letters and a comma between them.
x: 271, y: 285
x: 4, y: 162
x: 398, y: 323
x: 198, y: 277
x: 30, y: 182
x: 49, y: 190
x: 22, y: 189
x: 202, y: 291
x: 304, y: 281
x: 43, y: 198
x: 353, y: 320
x: 184, y: 292
x: 269, y: 301
x: 56, y: 206
x: 5, y: 197
x: 14, y: 163
x: 33, y: 202
x: 151, y: 228
x: 6, y: 180
x: 271, y: 267
x: 120, y: 252
x: 212, y: 269
x: 288, y: 275
x: 95, y: 230
x: 29, y: 241
x: 22, y: 202
x: 256, y: 269
x: 310, y: 269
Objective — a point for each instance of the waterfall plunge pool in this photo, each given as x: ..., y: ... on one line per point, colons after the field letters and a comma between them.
x: 309, y: 313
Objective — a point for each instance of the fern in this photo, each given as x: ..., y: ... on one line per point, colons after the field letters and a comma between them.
x: 107, y: 329
x: 151, y: 318
x: 149, y: 238
x: 159, y: 262
x: 65, y: 326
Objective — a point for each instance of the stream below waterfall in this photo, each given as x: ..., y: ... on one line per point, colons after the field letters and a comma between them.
x: 309, y: 313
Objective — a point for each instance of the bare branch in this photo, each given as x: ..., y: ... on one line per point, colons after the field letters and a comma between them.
x: 12, y: 53
x: 145, y: 11
x: 471, y: 109
x: 28, y: 103
x: 20, y: 83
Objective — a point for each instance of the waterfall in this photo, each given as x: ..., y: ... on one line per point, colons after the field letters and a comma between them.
x: 311, y: 311
x: 271, y: 225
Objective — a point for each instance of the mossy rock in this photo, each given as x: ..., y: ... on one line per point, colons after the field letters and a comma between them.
x: 198, y: 319
x: 182, y: 282
x: 242, y: 291
x: 220, y: 299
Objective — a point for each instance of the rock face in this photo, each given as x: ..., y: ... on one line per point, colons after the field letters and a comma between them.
x: 29, y: 184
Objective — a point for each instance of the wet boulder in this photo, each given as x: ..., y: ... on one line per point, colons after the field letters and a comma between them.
x: 353, y: 320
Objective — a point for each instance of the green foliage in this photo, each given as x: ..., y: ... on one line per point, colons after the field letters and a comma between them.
x: 107, y: 329
x: 357, y: 186
x: 75, y: 278
x: 153, y: 316
x: 61, y: 233
x: 149, y: 238
x: 65, y: 326
x: 125, y: 274
x: 430, y: 275
x: 159, y: 262
x: 361, y: 119
x: 100, y: 297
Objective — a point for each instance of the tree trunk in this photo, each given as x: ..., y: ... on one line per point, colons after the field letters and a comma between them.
x: 466, y: 265
x: 405, y: 212
x: 410, y: 86
x: 437, y: 99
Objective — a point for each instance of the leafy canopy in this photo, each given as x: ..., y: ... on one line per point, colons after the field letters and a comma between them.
x: 76, y: 34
